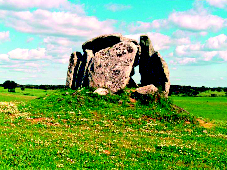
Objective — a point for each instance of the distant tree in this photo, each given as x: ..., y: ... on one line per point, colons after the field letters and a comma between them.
x: 219, y: 89
x: 22, y: 88
x: 10, y: 85
x: 6, y: 84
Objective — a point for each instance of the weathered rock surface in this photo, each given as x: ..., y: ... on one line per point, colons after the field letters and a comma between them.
x: 101, y: 91
x: 109, y: 61
x: 112, y: 66
x: 149, y: 89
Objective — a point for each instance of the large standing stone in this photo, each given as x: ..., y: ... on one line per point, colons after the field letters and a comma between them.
x: 72, y: 69
x: 112, y: 66
x: 152, y: 67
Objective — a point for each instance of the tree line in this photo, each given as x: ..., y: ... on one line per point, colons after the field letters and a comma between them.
x: 193, y: 91
x: 174, y: 89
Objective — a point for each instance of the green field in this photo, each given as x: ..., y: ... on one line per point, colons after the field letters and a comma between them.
x: 78, y: 129
x: 19, y: 95
x: 213, y: 108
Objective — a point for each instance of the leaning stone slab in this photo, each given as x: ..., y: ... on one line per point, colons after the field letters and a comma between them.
x: 112, y: 66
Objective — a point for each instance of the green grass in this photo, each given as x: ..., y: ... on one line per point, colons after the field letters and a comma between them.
x: 207, y: 107
x: 78, y: 130
x: 18, y: 96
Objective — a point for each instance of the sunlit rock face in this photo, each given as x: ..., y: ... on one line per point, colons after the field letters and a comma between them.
x: 109, y: 61
x: 111, y: 67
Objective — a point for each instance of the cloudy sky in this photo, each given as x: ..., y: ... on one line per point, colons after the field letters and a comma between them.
x: 38, y: 36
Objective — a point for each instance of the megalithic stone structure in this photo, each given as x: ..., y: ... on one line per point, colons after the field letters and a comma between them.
x: 109, y: 61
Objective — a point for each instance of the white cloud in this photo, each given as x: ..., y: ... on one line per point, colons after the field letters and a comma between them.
x: 117, y: 7
x: 31, y: 64
x: 186, y: 60
x: 4, y: 57
x: 209, y: 55
x: 26, y: 54
x: 41, y: 4
x: 213, y: 50
x: 158, y: 40
x: 184, y: 49
x: 185, y: 40
x: 218, y: 3
x: 187, y: 51
x: 195, y: 21
x: 140, y: 26
x: 183, y: 61
x: 60, y: 41
x: 223, y: 55
x: 181, y: 50
x: 59, y: 24
x: 218, y: 42
x: 4, y: 36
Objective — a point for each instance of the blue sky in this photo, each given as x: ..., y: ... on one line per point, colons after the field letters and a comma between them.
x: 38, y: 36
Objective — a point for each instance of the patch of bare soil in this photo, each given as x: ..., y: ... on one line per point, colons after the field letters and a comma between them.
x: 204, y: 124
x: 43, y: 120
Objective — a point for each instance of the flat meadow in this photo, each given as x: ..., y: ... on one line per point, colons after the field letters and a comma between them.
x: 42, y: 129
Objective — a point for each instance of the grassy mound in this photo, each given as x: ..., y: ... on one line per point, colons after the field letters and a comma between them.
x: 71, y: 105
x: 79, y: 129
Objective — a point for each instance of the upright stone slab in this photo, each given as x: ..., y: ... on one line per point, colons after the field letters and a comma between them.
x: 152, y: 67
x: 71, y: 69
x: 111, y: 67
x: 146, y: 51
